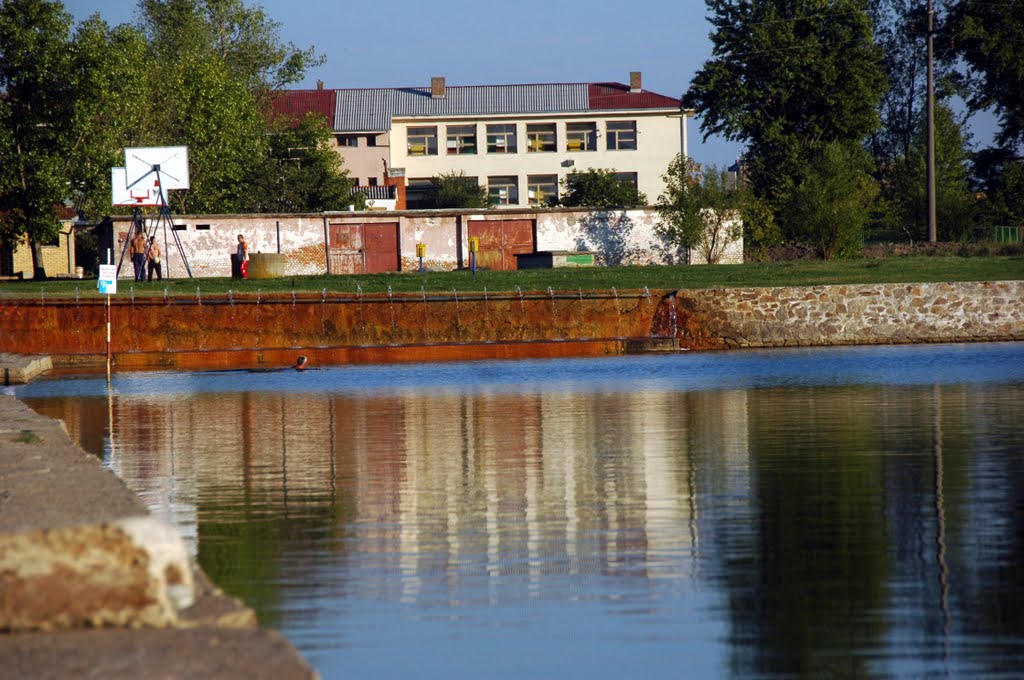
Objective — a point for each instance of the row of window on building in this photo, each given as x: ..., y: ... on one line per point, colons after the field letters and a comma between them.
x: 541, y: 190
x: 503, y: 138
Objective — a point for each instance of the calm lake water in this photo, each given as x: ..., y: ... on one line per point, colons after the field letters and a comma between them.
x: 854, y: 512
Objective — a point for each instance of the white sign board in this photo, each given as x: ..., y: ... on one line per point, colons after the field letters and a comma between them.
x: 145, y: 165
x: 108, y: 279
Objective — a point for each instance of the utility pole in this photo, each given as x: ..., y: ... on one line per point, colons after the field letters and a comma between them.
x: 932, y: 230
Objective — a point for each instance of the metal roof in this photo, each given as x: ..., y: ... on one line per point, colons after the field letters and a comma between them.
x: 372, y: 110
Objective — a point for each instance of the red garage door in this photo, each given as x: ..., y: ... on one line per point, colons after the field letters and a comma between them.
x: 364, y: 248
x: 500, y: 241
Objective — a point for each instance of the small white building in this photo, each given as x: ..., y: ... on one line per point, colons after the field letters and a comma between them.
x: 520, y: 141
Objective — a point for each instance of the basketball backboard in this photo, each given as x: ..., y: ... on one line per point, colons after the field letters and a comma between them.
x: 139, y: 196
x: 145, y: 165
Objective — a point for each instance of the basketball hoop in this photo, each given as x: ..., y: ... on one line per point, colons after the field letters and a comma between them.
x: 168, y: 166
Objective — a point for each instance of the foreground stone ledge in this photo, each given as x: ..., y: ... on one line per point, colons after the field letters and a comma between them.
x: 133, y: 572
x: 19, y: 370
x: 54, y: 496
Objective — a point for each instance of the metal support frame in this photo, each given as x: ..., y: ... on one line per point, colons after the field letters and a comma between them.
x: 163, y: 219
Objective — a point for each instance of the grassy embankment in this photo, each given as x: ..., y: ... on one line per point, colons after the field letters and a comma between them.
x: 768, y: 274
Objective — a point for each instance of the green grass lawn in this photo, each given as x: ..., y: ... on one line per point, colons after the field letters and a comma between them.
x: 788, y: 273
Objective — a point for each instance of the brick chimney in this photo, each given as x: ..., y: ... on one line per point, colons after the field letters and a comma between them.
x: 635, y: 81
x: 319, y: 84
x: 437, y: 88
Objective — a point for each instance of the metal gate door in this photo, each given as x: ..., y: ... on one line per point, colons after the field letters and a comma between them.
x: 381, y: 244
x: 501, y: 240
x: 364, y: 248
x: 346, y: 251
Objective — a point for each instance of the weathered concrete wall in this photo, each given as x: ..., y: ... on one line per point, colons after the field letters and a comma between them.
x: 851, y: 314
x: 618, y: 237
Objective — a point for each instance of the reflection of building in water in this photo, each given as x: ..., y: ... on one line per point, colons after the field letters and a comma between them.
x: 502, y: 486
x: 519, y: 485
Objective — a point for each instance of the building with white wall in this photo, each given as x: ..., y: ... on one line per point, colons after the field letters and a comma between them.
x: 520, y: 141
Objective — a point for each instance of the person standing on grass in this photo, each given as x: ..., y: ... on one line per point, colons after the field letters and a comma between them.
x: 242, y: 255
x: 137, y: 250
x: 153, y: 253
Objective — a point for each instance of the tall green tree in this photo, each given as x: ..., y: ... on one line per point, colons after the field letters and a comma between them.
x: 830, y: 208
x: 900, y: 32
x: 984, y: 38
x: 906, y: 188
x: 111, y: 68
x: 242, y: 36
x: 701, y: 209
x: 600, y: 188
x: 37, y: 100
x: 786, y: 78
x: 999, y: 175
x: 302, y: 172
x: 214, y: 65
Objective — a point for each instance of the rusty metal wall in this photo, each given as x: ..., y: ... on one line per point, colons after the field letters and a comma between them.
x: 250, y: 330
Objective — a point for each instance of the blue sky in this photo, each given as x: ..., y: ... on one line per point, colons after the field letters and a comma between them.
x: 403, y: 43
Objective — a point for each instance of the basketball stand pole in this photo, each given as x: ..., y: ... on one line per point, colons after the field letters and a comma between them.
x: 165, y: 220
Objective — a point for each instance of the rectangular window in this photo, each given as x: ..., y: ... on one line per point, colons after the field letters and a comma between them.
x: 419, y: 193
x: 629, y: 178
x: 501, y: 138
x: 621, y: 135
x: 503, y: 190
x: 542, y: 189
x: 461, y: 140
x: 541, y: 137
x: 348, y: 140
x: 581, y: 137
x: 422, y: 141
x: 372, y: 181
x: 371, y: 140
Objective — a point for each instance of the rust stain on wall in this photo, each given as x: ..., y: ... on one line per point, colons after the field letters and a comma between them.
x: 250, y: 330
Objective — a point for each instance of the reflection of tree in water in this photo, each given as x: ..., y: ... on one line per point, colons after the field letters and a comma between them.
x: 851, y: 535
x: 806, y: 590
x: 607, y: 234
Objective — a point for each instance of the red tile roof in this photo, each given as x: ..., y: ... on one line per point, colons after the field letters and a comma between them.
x: 295, y: 103
x: 618, y: 96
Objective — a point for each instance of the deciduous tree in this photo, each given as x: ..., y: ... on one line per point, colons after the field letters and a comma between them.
x: 701, y: 209
x: 215, y: 63
x: 788, y: 78
x: 37, y: 100
x: 984, y: 38
x: 829, y: 209
x: 302, y: 172
x: 905, y: 188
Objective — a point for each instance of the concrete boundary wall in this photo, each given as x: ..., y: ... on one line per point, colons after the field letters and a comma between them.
x: 852, y: 314
x: 616, y: 236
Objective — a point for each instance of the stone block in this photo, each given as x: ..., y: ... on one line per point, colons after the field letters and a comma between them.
x: 132, y: 572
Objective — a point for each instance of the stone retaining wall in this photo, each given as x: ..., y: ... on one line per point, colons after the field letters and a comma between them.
x: 851, y: 314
